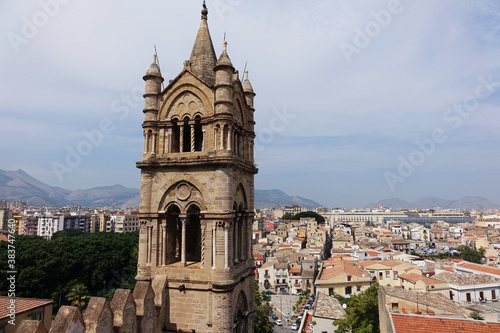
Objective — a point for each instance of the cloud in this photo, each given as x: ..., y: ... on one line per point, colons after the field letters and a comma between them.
x: 352, y: 119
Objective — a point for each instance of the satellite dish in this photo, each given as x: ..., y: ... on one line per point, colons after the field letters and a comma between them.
x: 344, y: 306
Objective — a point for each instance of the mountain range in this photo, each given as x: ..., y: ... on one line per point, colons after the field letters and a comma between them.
x: 18, y: 185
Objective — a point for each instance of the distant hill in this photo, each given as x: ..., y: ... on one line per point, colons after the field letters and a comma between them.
x: 277, y: 198
x: 479, y: 203
x: 18, y: 185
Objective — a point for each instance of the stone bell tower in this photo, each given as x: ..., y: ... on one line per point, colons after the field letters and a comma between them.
x: 197, y: 192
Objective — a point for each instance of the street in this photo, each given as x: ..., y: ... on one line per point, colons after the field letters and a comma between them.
x: 283, y: 309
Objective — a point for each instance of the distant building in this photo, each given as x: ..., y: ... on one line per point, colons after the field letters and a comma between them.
x: 29, y: 225
x: 5, y: 216
x: 77, y: 222
x: 48, y: 225
x: 126, y: 223
x: 292, y: 210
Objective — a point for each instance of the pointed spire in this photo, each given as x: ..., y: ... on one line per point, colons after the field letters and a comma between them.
x: 224, y: 58
x: 154, y: 70
x: 203, y: 55
x: 247, y: 87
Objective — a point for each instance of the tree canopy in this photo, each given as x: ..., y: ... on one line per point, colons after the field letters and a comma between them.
x: 263, y: 311
x: 466, y: 253
x: 51, y: 268
x: 361, y: 313
x: 317, y: 217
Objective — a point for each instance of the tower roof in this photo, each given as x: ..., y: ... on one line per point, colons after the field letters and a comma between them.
x: 247, y: 87
x: 154, y: 70
x: 203, y: 57
x: 224, y: 58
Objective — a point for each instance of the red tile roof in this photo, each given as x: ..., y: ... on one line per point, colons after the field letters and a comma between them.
x: 343, y: 266
x: 420, y: 324
x: 415, y: 277
x: 22, y: 305
x: 481, y: 268
x: 294, y: 270
x: 4, y: 238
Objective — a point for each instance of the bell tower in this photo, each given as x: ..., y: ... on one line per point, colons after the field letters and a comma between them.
x: 197, y: 192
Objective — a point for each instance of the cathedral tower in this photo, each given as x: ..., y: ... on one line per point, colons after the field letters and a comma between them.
x: 197, y: 192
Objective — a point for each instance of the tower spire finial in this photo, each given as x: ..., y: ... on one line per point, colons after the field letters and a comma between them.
x: 204, y: 11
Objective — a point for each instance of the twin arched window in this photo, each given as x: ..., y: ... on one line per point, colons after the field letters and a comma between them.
x: 187, y: 135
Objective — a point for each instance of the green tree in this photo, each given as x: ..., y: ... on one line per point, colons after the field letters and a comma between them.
x: 263, y: 311
x: 466, y: 253
x: 78, y: 296
x: 476, y: 316
x: 287, y: 216
x: 98, y: 261
x: 317, y: 217
x: 362, y: 313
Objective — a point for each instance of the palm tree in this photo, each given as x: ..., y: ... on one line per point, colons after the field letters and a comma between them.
x: 78, y: 295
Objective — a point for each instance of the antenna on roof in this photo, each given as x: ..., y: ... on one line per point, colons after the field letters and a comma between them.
x: 158, y: 63
x: 244, y: 70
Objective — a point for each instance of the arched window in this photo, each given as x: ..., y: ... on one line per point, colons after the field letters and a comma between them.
x: 186, y: 135
x: 175, y: 136
x: 198, y: 134
x: 193, y: 234
x: 174, y: 229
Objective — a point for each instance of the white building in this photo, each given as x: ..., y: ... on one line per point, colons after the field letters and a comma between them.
x: 471, y: 287
x: 48, y: 225
x: 126, y: 223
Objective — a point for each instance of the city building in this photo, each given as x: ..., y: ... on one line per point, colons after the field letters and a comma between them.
x: 48, y: 225
x: 25, y: 309
x: 5, y: 216
x: 342, y: 277
x: 471, y: 287
x: 126, y: 223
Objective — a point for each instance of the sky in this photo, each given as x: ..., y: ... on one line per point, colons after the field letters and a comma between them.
x: 356, y: 100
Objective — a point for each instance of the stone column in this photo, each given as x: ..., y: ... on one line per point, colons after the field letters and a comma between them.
x: 203, y: 139
x: 203, y: 245
x: 153, y: 144
x: 251, y: 151
x: 169, y: 146
x: 226, y: 246
x: 181, y: 138
x: 249, y: 237
x: 145, y: 151
x: 143, y: 248
x: 214, y: 234
x: 222, y: 138
x: 164, y: 244
x: 243, y: 239
x: 150, y: 239
x: 215, y: 138
x: 235, y: 242
x: 192, y: 138
x: 183, y: 249
x: 229, y: 135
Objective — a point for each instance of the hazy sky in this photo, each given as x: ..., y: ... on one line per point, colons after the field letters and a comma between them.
x: 356, y: 100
